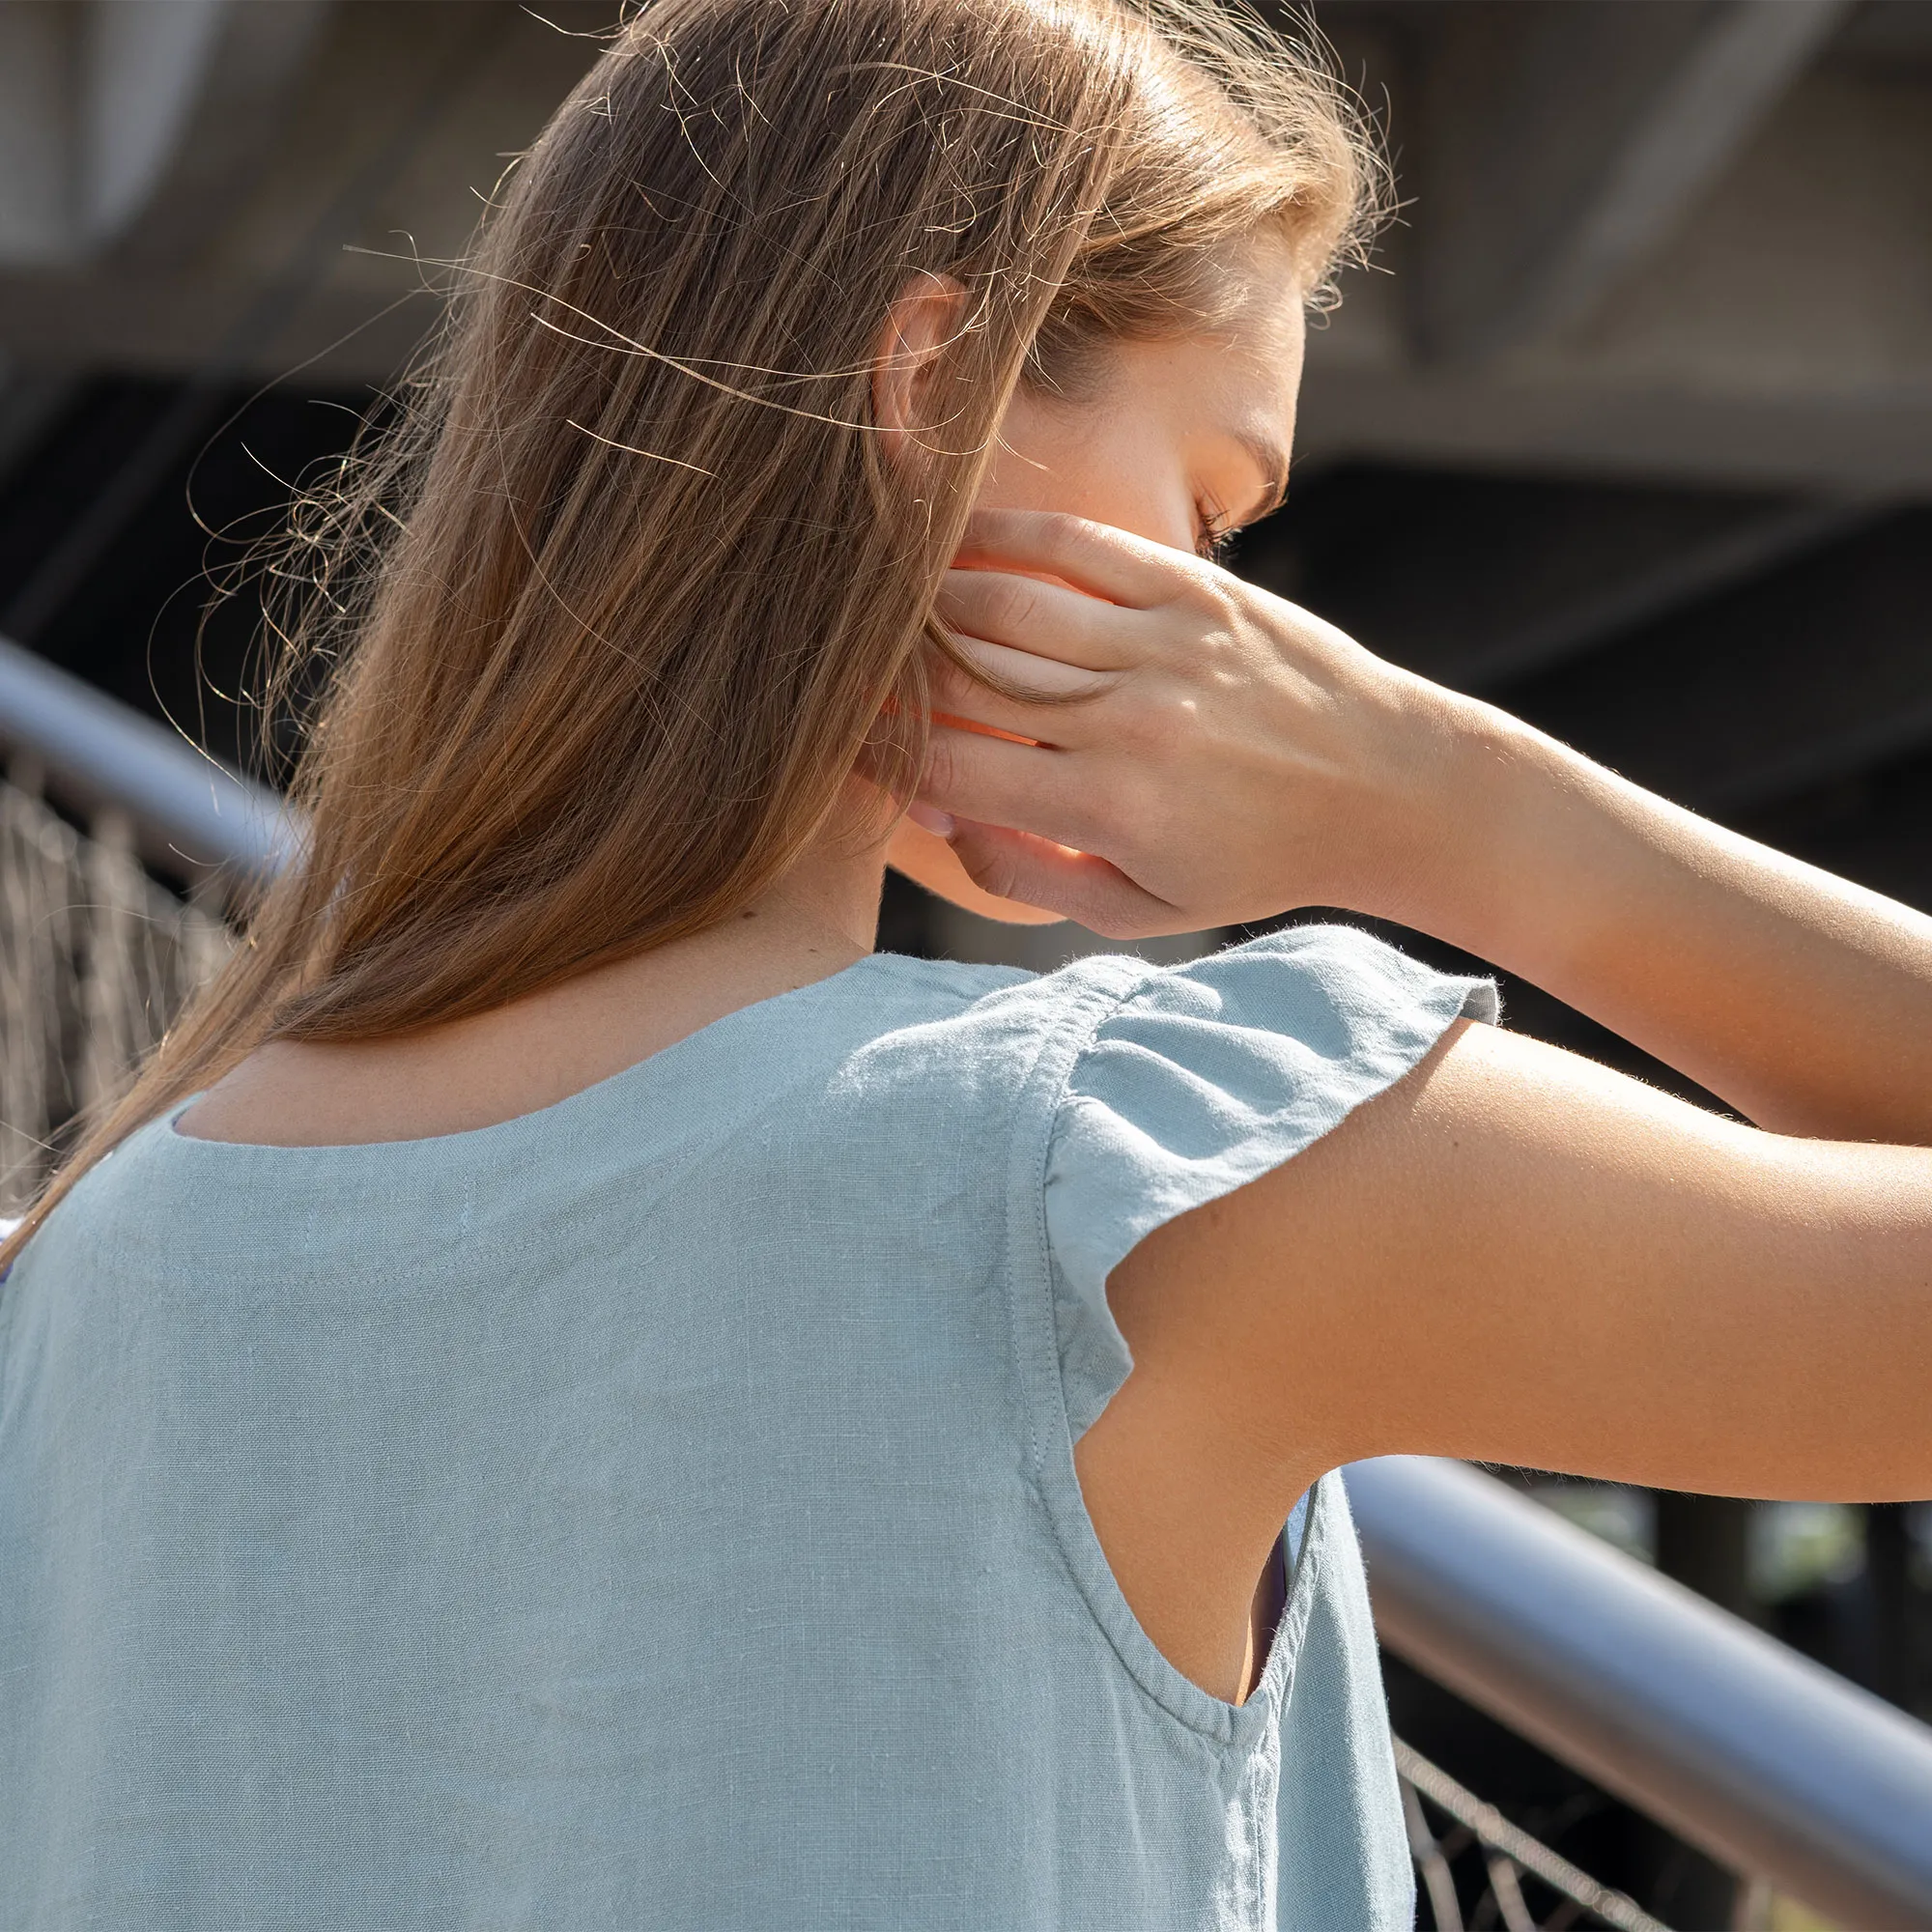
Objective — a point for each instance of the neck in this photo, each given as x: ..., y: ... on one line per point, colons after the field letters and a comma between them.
x: 826, y: 904
x: 819, y: 919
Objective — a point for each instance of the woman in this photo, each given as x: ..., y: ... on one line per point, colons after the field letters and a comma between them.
x: 572, y: 1393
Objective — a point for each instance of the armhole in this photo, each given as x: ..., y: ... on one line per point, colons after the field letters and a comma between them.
x: 1050, y: 1431
x: 1049, y: 1434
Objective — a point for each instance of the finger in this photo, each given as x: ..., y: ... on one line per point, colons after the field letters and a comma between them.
x: 1030, y: 678
x: 1062, y: 725
x: 930, y: 862
x: 1076, y: 885
x: 1093, y: 558
x: 1046, y: 620
x: 1033, y: 788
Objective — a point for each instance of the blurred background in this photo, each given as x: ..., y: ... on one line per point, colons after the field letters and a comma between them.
x: 1629, y: 429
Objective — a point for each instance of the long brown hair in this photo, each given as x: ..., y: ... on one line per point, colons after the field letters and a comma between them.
x: 585, y: 652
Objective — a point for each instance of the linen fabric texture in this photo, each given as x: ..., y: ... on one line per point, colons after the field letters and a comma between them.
x: 659, y: 1510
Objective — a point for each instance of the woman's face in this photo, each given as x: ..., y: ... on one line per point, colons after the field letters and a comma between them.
x: 1180, y: 442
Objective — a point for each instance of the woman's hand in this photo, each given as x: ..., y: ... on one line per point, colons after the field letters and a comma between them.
x: 1226, y: 755
x: 1202, y: 752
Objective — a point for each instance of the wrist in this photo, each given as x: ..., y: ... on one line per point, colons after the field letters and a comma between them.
x: 1519, y: 855
x: 1448, y: 781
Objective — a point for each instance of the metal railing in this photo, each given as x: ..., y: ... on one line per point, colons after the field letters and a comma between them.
x: 96, y: 958
x: 1777, y: 1767
x: 190, y: 815
x: 96, y: 955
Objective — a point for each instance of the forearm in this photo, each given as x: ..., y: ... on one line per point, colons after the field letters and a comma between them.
x: 1802, y: 1000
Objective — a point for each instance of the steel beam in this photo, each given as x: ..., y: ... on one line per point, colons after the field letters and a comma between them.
x: 1569, y: 141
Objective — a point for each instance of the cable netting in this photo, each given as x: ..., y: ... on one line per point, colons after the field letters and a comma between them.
x: 96, y: 961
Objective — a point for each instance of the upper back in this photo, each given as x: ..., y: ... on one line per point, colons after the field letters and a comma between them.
x: 661, y: 1508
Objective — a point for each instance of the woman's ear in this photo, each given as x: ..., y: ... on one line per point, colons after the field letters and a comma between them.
x: 921, y: 322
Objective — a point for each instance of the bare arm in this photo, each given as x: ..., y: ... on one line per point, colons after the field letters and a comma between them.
x: 1516, y: 1255
x: 1513, y: 1254
x: 1802, y: 999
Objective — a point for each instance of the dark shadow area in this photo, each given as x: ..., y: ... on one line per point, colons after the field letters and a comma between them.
x: 144, y: 624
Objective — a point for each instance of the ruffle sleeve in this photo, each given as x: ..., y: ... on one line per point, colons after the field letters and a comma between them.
x: 1204, y: 1077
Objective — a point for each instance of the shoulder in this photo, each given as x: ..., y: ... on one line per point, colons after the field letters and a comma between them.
x: 1173, y: 1087
x: 1152, y: 1083
x: 1193, y: 1079
x: 1333, y: 988
x: 118, y: 1208
x: 965, y: 1018
x: 1334, y: 984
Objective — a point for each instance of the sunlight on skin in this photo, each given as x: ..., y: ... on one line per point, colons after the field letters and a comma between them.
x: 1511, y: 1255
x: 1182, y: 442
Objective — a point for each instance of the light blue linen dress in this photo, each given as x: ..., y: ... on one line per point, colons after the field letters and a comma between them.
x: 659, y: 1510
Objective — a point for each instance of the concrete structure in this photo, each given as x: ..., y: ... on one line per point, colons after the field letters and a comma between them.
x: 1664, y: 238
x: 1661, y: 237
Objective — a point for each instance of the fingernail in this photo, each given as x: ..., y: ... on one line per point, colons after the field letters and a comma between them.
x: 933, y: 818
